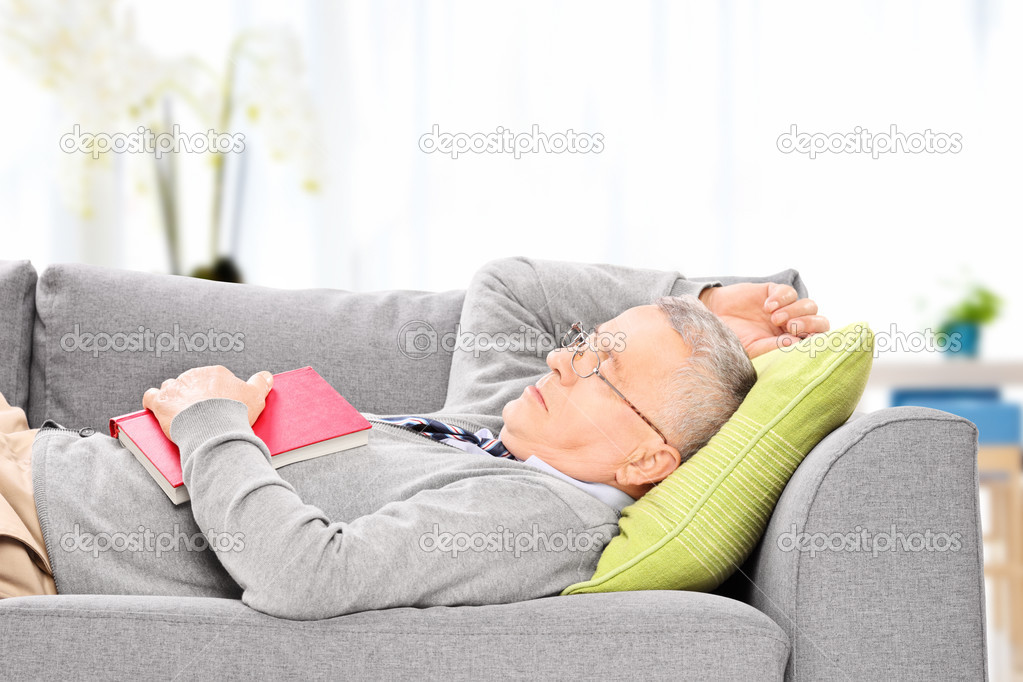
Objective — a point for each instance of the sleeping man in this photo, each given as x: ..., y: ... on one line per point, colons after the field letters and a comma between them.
x: 508, y: 493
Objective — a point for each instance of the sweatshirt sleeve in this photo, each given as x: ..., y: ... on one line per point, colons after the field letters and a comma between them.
x: 517, y: 309
x: 482, y: 540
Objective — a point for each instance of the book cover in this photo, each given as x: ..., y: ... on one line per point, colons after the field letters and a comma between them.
x: 304, y: 418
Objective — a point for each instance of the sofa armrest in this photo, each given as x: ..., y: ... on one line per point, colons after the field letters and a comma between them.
x: 872, y: 562
x: 17, y: 312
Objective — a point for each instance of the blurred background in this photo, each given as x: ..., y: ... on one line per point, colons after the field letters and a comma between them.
x: 324, y: 181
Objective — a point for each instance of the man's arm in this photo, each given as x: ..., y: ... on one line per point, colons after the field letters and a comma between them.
x: 764, y: 316
x: 533, y: 302
x: 295, y: 563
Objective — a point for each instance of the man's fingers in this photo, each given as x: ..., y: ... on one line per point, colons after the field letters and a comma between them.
x: 800, y: 308
x: 779, y: 296
x: 149, y: 397
x: 808, y: 324
x: 264, y: 381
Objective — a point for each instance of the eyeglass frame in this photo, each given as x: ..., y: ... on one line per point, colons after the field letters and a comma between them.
x: 574, y: 339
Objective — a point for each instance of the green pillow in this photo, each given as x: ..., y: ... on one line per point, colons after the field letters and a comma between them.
x: 697, y: 526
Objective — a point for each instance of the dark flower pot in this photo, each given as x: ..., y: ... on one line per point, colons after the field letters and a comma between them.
x: 224, y: 269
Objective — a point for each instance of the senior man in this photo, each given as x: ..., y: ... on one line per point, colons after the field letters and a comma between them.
x: 435, y: 510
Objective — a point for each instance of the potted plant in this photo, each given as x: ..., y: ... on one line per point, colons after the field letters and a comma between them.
x: 110, y: 81
x: 962, y: 322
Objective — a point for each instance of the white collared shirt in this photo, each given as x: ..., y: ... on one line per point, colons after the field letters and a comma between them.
x: 608, y: 494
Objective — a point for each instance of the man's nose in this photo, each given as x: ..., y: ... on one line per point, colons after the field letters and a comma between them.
x: 560, y: 361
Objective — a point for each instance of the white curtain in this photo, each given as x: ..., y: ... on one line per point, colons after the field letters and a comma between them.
x: 689, y: 98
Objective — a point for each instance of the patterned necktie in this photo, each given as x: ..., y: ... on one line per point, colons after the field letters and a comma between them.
x: 438, y: 431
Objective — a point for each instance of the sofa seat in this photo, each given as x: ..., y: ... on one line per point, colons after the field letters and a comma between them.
x: 640, y: 635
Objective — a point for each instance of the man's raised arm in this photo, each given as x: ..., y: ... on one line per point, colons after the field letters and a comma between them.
x: 516, y: 309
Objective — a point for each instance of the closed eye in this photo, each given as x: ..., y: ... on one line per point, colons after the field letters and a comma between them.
x: 607, y: 351
x: 613, y: 360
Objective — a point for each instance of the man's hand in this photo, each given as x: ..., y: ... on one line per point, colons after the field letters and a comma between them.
x: 200, y: 383
x: 764, y: 316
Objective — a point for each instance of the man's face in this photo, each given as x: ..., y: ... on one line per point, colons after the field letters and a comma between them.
x: 580, y: 426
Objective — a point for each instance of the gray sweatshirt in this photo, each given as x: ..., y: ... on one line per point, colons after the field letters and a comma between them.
x: 402, y: 521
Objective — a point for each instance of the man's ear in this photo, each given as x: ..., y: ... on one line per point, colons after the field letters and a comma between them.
x: 648, y: 464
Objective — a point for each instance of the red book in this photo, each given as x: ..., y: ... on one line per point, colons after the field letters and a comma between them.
x: 304, y: 418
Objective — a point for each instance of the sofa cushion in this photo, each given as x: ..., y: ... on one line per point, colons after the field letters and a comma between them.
x: 697, y: 526
x: 17, y: 309
x: 103, y: 336
x: 635, y: 635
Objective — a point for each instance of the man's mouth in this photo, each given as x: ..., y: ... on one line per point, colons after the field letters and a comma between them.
x: 536, y: 394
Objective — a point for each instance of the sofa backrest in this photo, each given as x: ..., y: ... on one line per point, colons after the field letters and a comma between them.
x: 17, y: 311
x: 103, y: 336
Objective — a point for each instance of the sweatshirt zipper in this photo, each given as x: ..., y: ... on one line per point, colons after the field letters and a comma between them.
x: 409, y: 434
x: 414, y: 436
x: 465, y: 425
x: 471, y: 428
x: 50, y: 425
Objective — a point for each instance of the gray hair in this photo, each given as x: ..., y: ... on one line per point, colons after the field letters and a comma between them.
x: 703, y: 393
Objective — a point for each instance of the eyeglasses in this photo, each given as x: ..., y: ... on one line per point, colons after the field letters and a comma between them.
x: 577, y: 340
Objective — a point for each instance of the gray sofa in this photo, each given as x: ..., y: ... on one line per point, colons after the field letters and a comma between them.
x: 791, y: 615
